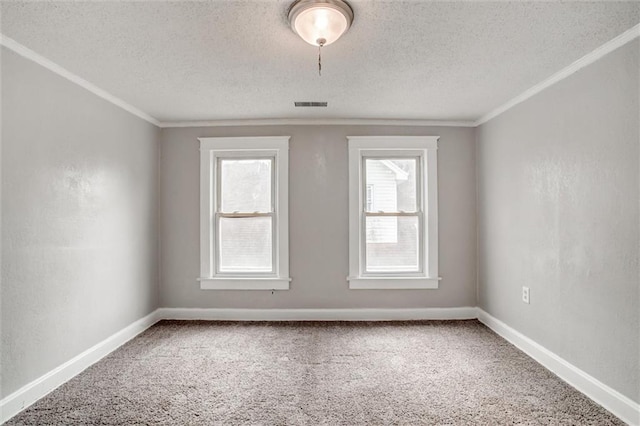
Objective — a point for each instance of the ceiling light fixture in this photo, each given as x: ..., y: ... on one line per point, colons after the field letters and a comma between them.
x: 320, y: 22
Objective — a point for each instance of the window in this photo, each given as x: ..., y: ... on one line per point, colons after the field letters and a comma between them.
x: 244, y: 241
x: 393, y: 212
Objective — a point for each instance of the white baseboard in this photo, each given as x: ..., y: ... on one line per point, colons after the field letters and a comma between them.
x: 30, y: 393
x: 618, y: 404
x: 623, y: 407
x: 318, y: 314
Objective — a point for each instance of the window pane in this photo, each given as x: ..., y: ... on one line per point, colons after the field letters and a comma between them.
x: 245, y: 185
x: 245, y: 244
x: 392, y: 244
x: 391, y: 184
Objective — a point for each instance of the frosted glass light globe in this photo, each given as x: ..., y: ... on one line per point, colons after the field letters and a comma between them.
x: 320, y: 22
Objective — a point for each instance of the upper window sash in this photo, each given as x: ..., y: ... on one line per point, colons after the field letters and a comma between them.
x: 367, y: 187
x: 218, y: 195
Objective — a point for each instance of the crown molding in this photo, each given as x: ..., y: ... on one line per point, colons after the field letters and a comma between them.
x: 588, y: 59
x: 317, y: 122
x: 25, y: 52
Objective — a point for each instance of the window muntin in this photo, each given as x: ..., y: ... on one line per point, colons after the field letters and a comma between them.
x: 392, y: 212
x: 244, y: 239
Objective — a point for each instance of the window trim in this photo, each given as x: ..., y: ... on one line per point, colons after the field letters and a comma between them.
x: 361, y: 147
x: 211, y: 150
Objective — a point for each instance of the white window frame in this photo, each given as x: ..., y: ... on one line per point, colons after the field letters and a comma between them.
x: 425, y: 149
x: 211, y: 150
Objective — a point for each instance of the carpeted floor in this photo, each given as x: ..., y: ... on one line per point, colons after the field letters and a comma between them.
x: 316, y: 373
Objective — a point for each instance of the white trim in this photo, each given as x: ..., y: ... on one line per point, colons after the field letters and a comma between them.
x: 31, y: 392
x: 244, y: 283
x: 318, y: 122
x: 392, y: 283
x: 612, y: 400
x: 235, y: 143
x: 372, y: 314
x: 393, y: 142
x: 210, y: 149
x: 74, y: 78
x: 615, y: 402
x: 424, y: 147
x: 588, y: 59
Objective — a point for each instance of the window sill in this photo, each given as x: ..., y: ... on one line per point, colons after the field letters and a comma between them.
x: 393, y: 283
x: 243, y: 283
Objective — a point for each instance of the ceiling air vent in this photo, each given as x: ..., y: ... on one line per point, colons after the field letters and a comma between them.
x: 310, y: 104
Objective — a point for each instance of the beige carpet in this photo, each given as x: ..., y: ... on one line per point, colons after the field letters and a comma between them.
x: 316, y: 373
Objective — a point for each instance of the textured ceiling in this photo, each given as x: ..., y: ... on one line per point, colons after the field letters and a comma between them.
x: 221, y: 60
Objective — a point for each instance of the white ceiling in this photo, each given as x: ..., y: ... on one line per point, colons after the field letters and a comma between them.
x: 222, y: 60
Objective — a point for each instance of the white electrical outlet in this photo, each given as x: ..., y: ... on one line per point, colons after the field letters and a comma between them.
x: 525, y: 294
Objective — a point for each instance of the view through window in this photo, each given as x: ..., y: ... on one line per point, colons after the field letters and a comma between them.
x: 392, y: 218
x: 245, y: 215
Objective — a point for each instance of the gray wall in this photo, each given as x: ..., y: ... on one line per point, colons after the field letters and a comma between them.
x: 318, y: 212
x: 79, y: 220
x: 558, y: 208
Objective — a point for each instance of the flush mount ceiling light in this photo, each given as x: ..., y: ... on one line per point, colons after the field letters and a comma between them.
x: 320, y: 22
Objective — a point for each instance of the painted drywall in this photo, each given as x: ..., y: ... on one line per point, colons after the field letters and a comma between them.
x: 318, y: 221
x: 79, y: 220
x: 558, y: 212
